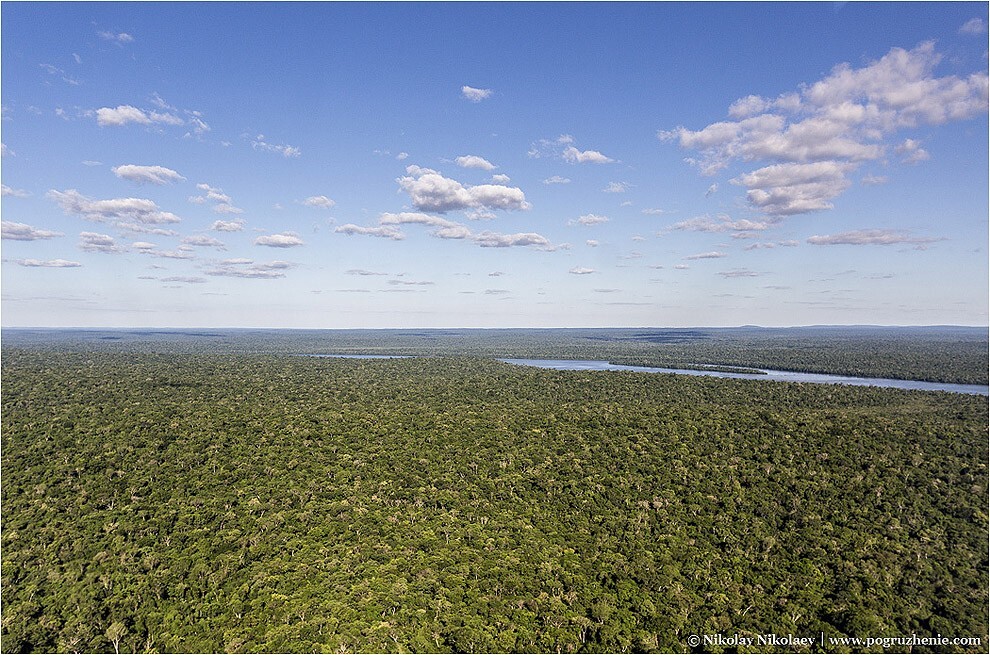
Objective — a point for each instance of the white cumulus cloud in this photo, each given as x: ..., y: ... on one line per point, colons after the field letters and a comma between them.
x: 137, y: 228
x: 495, y: 240
x: 120, y: 38
x: 563, y: 148
x: 147, y: 174
x: 126, y: 114
x: 813, y: 139
x: 24, y: 232
x: 475, y: 95
x: 121, y: 115
x: 7, y: 191
x: 216, y: 195
x: 227, y: 226
x: 429, y: 190
x: 172, y: 254
x: 575, y: 156
x: 141, y: 210
x: 49, y: 263
x: 720, y: 223
x: 287, y: 151
x: 974, y: 26
x: 617, y: 187
x: 445, y: 229
x: 223, y: 202
x: 792, y: 188
x: 318, y: 201
x: 589, y: 219
x: 204, y: 241
x: 382, y: 231
x: 911, y: 152
x: 95, y: 242
x: 474, y: 161
x: 286, y: 240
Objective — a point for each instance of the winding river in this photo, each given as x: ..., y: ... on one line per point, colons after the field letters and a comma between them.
x: 768, y: 374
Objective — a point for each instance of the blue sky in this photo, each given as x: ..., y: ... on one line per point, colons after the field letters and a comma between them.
x: 494, y: 165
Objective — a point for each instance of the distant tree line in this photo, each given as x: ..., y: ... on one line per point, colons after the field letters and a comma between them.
x: 936, y: 354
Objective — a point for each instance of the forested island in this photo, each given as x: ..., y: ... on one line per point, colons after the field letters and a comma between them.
x: 209, y: 491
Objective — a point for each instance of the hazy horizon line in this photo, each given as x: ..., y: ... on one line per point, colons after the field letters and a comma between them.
x: 518, y: 327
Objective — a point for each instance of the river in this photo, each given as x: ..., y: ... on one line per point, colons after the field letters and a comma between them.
x: 768, y: 374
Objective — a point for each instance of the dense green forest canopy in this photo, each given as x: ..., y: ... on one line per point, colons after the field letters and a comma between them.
x: 258, y: 502
x: 937, y: 354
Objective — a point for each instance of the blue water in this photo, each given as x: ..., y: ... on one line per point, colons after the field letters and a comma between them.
x: 768, y: 374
